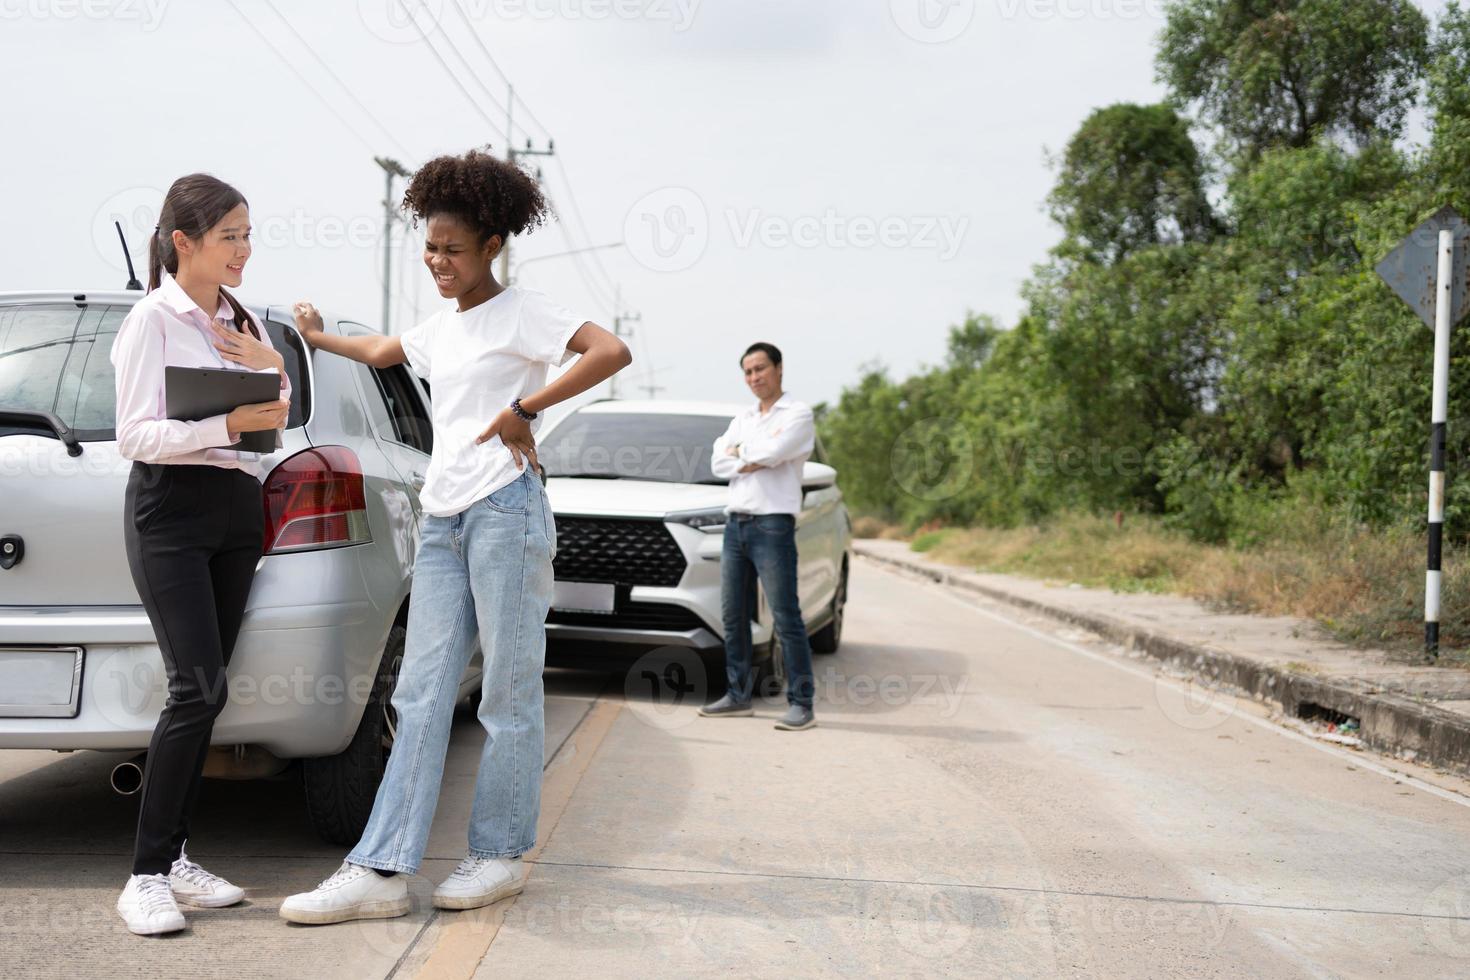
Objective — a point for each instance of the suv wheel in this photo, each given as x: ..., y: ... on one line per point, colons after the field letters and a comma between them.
x: 829, y: 637
x: 340, y: 788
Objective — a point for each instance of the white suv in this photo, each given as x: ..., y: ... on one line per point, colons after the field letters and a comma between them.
x: 640, y: 524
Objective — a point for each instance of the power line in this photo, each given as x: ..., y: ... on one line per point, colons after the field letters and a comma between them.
x: 512, y: 99
x: 597, y: 289
x: 494, y: 126
x: 305, y: 81
x: 473, y: 33
x: 499, y: 71
x: 581, y: 222
x: 593, y: 286
x: 335, y: 77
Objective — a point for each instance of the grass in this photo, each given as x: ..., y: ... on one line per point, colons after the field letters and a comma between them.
x: 1364, y: 586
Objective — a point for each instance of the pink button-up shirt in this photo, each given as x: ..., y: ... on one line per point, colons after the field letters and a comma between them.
x: 168, y: 329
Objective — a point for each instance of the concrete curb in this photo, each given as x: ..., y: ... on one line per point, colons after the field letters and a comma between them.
x: 1392, y: 723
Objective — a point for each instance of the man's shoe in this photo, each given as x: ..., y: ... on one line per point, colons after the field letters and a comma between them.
x: 797, y: 719
x: 727, y: 707
x: 479, y: 881
x: 148, y: 907
x: 192, y: 885
x: 352, y: 892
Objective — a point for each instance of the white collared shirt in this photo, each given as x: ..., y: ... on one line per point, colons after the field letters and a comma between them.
x: 780, y: 441
x: 168, y: 329
x: 476, y: 362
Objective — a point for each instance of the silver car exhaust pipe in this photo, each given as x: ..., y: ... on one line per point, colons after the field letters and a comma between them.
x: 127, y: 777
x: 222, y: 762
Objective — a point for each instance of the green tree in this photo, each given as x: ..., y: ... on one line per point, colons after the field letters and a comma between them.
x: 1281, y: 72
x: 1449, y: 107
x: 1131, y: 177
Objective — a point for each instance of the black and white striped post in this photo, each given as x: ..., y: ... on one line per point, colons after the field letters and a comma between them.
x: 1430, y: 271
x: 1437, y: 413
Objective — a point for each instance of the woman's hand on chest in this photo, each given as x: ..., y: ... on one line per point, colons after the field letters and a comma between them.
x: 244, y: 349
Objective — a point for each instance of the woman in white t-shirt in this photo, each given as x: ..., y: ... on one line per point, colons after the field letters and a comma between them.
x: 483, y: 567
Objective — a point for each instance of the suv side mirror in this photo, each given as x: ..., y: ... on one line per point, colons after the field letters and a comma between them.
x: 815, y: 476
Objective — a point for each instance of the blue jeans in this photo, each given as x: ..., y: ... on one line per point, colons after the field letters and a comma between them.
x: 763, y: 546
x: 484, y: 571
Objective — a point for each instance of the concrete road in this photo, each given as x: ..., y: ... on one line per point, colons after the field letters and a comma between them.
x: 988, y: 795
x: 66, y: 841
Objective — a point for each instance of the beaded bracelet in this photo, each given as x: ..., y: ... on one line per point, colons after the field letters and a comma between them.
x: 521, y: 413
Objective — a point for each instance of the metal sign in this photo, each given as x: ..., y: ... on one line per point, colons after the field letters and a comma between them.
x: 1410, y: 268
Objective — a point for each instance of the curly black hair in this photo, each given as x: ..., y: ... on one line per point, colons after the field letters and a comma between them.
x: 491, y: 196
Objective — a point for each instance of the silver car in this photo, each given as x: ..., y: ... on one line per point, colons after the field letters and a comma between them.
x: 640, y: 521
x: 323, y: 633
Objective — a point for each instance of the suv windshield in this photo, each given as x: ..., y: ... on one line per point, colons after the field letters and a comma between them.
x: 56, y: 357
x: 633, y: 446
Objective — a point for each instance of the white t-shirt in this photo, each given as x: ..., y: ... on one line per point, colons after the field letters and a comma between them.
x: 476, y: 362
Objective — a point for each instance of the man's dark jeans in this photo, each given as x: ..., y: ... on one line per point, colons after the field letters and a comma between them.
x: 763, y: 545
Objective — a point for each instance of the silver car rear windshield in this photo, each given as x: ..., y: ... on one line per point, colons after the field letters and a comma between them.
x: 57, y: 358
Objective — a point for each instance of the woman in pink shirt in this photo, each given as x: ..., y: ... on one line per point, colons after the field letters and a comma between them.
x: 193, y: 519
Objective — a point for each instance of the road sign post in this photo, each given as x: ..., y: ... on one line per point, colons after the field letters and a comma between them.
x: 1428, y: 271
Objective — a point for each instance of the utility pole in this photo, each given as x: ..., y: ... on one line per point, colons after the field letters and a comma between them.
x: 512, y: 155
x: 391, y: 169
x: 619, y: 318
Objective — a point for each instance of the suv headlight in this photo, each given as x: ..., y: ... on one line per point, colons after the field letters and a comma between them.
x: 710, y: 520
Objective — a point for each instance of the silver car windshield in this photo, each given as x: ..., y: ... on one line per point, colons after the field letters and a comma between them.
x: 633, y: 446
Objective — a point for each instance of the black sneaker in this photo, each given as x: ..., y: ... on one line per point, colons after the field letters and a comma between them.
x: 797, y: 719
x: 725, y: 707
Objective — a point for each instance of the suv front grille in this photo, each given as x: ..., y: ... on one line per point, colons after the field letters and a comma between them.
x: 633, y: 616
x: 602, y: 549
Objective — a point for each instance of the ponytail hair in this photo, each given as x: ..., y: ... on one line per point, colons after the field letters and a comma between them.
x: 193, y: 205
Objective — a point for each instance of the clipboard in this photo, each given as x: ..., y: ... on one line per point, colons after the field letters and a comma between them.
x: 192, y: 394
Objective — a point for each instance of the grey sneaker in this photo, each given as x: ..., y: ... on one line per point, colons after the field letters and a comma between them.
x: 797, y: 719
x: 726, y: 707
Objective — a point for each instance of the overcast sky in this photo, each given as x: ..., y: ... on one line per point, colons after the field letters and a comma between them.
x: 844, y: 179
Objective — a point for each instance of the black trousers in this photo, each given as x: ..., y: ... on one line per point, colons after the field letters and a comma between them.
x: 194, y: 536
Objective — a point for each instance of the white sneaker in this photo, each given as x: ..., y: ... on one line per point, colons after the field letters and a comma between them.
x: 194, y: 886
x: 479, y: 881
x: 147, y: 906
x: 352, y: 892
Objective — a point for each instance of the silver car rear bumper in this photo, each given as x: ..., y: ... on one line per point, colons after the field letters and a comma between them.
x: 300, y: 674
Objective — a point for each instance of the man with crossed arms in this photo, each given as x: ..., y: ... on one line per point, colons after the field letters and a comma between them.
x: 761, y: 454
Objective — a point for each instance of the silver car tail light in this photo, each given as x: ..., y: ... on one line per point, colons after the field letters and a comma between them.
x: 315, y: 500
